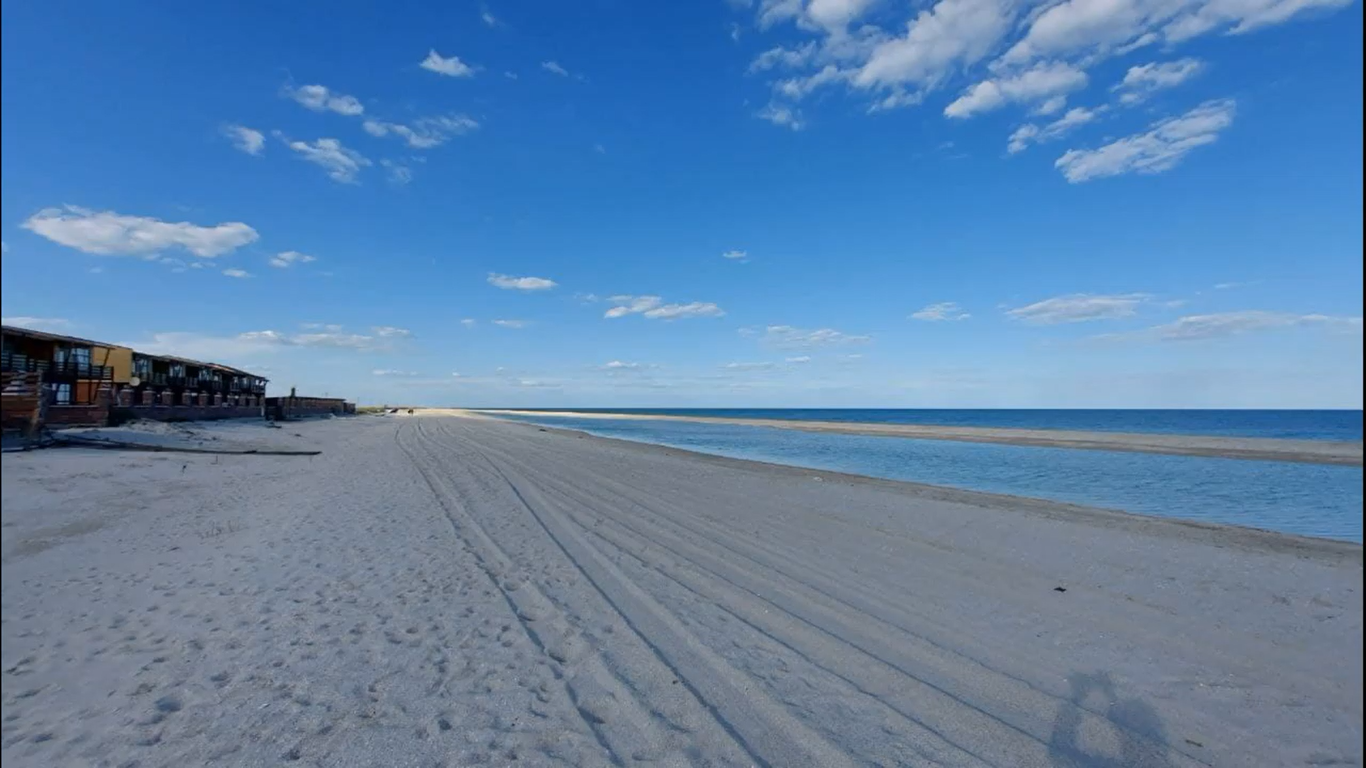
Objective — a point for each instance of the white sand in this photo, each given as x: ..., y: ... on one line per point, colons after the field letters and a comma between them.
x: 455, y: 591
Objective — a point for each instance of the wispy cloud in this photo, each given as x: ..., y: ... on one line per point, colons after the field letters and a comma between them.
x: 320, y: 98
x: 790, y: 337
x: 511, y: 283
x: 740, y: 256
x: 1226, y: 324
x: 554, y: 68
x: 1143, y: 80
x: 248, y: 140
x: 342, y: 164
x: 237, y: 273
x: 1079, y: 308
x: 944, y: 310
x: 37, y: 323
x: 1031, y: 133
x: 391, y: 372
x: 654, y: 308
x: 449, y: 66
x: 114, y: 234
x: 512, y: 323
x: 781, y: 115
x: 391, y: 332
x: 424, y: 133
x: 1042, y: 82
x: 1159, y: 149
x: 287, y: 259
x: 254, y: 343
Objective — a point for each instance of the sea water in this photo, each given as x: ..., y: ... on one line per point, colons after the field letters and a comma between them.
x: 1305, y: 499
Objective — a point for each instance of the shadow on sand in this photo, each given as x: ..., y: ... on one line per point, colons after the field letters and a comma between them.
x: 1137, y: 739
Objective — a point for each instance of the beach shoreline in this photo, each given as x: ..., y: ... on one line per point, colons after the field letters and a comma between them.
x: 1329, y: 452
x: 484, y: 590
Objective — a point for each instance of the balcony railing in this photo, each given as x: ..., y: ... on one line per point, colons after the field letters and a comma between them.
x: 53, y: 370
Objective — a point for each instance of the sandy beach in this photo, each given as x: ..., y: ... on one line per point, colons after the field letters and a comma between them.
x: 444, y: 589
x: 1340, y: 452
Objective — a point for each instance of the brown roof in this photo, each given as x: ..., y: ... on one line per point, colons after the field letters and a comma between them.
x: 202, y: 364
x: 12, y: 330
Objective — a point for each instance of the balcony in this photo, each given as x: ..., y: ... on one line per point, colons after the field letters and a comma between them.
x: 53, y: 371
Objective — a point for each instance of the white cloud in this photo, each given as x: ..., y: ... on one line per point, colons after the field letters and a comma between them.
x: 398, y: 174
x: 341, y: 164
x: 251, y: 141
x: 320, y: 98
x: 617, y: 365
x: 654, y: 308
x: 789, y: 337
x: 448, y: 66
x: 36, y: 323
x: 488, y: 18
x: 799, y: 359
x: 237, y: 273
x: 508, y: 282
x: 1031, y: 133
x: 391, y: 372
x: 740, y: 256
x: 329, y: 327
x: 779, y: 114
x: 1043, y: 82
x: 1159, y: 149
x: 253, y: 343
x: 1098, y: 28
x: 1226, y: 324
x: 391, y: 332
x: 4, y: 247
x: 1078, y: 308
x: 555, y: 68
x: 899, y: 55
x: 114, y: 234
x: 511, y: 323
x: 426, y: 132
x: 944, y: 310
x: 510, y: 75
x: 469, y: 322
x: 1140, y: 81
x: 287, y: 259
x: 950, y: 35
x: 783, y: 58
x: 762, y: 366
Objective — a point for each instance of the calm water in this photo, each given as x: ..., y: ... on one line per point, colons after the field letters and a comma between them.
x: 1307, y: 425
x: 1306, y: 499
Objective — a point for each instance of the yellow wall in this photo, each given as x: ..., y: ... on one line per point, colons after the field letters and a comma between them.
x: 118, y: 358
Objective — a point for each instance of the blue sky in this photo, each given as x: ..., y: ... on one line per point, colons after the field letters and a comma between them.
x: 968, y: 203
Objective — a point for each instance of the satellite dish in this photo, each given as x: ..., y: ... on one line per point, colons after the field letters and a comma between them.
x: 134, y: 382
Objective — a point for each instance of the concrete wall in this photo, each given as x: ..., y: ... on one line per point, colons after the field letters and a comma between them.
x: 185, y: 412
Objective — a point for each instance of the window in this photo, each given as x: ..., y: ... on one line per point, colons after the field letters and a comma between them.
x: 142, y: 367
x: 63, y: 394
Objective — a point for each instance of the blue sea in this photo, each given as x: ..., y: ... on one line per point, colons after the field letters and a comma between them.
x: 1306, y: 499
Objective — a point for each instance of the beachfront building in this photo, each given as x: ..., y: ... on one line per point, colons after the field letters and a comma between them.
x: 166, y: 380
x: 73, y: 369
x: 52, y: 380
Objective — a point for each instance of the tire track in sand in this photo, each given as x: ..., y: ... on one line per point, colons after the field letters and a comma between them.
x: 771, y: 733
x: 606, y: 699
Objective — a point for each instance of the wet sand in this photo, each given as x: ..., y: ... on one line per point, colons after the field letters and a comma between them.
x: 433, y: 590
x: 1340, y: 452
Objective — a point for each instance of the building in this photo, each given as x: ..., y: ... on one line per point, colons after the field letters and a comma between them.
x: 51, y: 380
x: 73, y: 369
x: 166, y: 380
